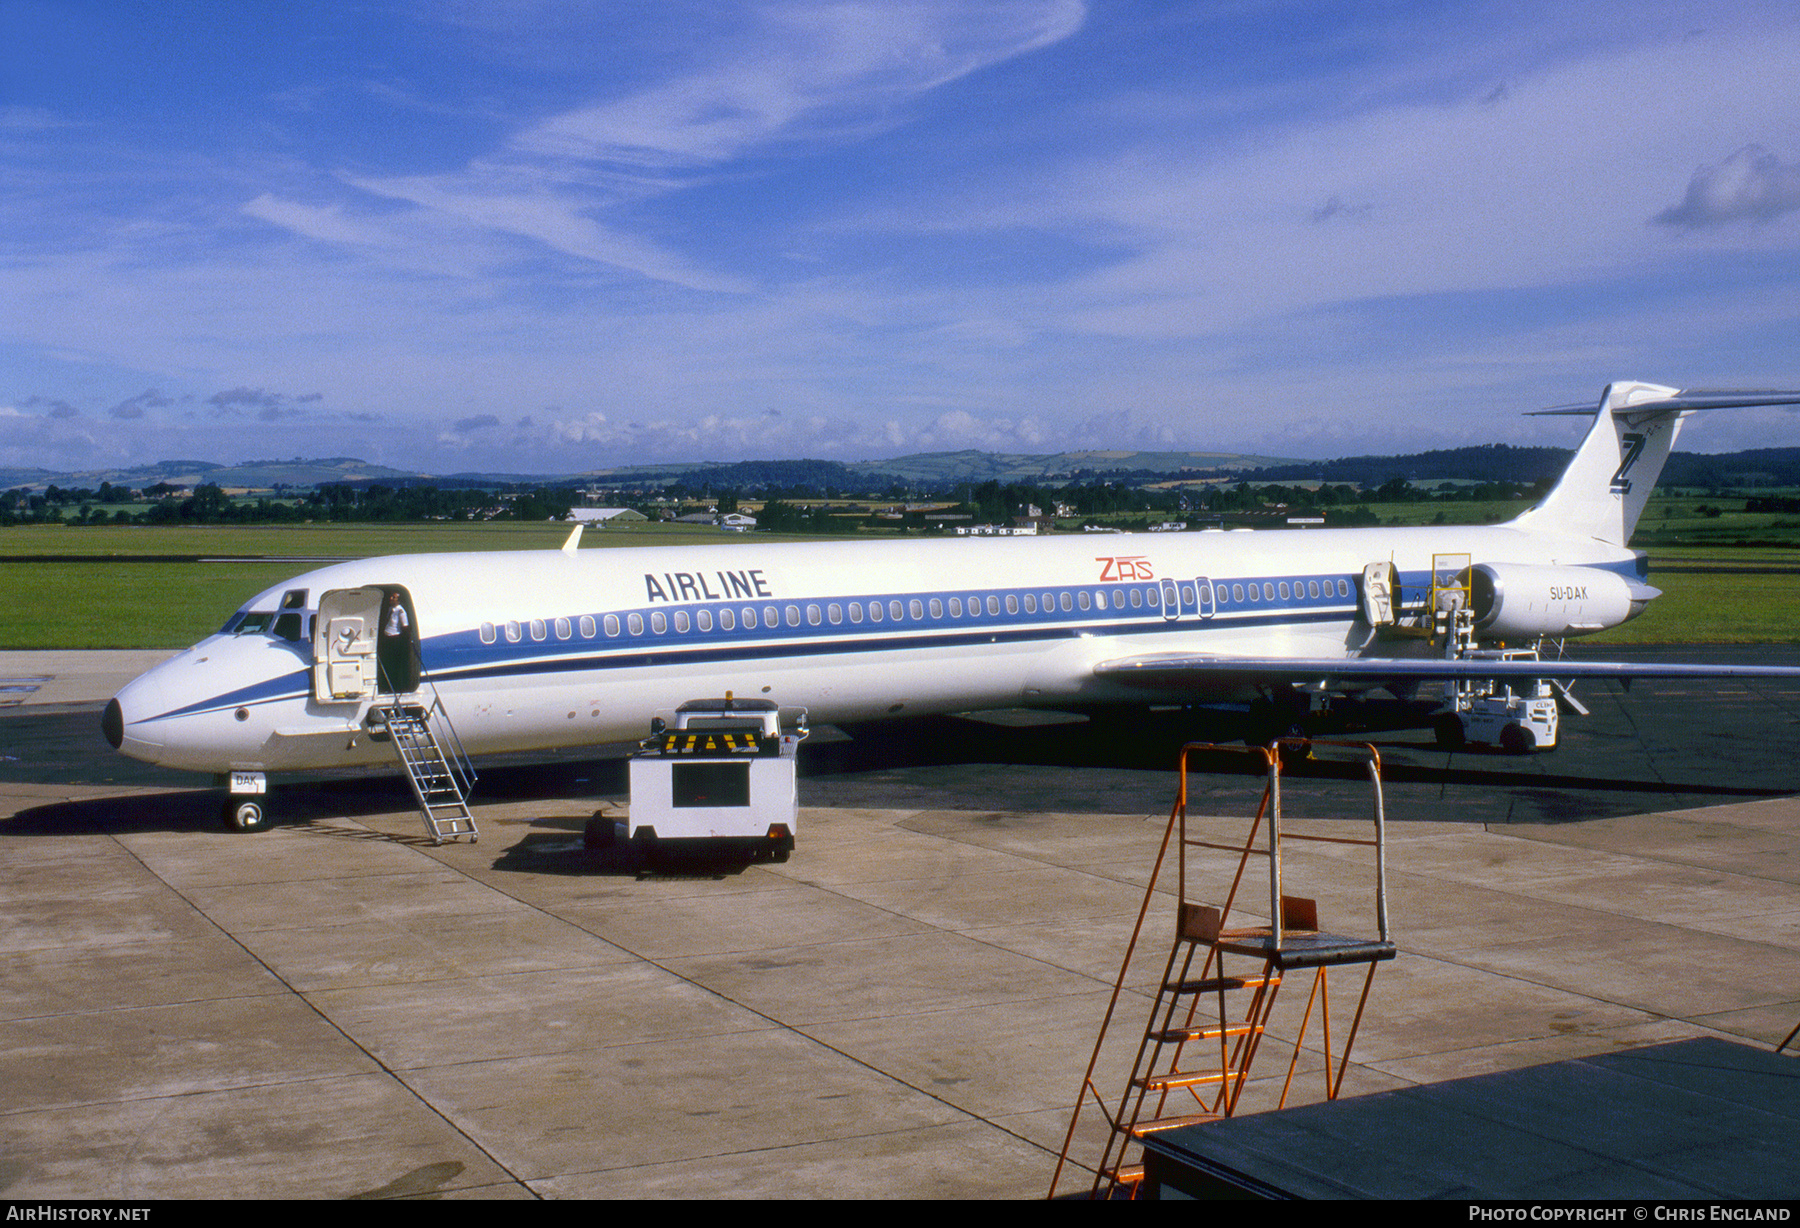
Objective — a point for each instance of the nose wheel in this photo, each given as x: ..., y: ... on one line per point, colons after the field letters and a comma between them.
x: 246, y: 814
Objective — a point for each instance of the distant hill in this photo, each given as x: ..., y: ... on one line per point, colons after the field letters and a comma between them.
x: 1760, y: 467
x: 1756, y: 467
x: 931, y: 469
x: 253, y: 475
x: 1494, y: 462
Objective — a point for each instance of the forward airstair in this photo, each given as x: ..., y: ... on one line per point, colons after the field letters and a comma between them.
x: 1207, y: 1022
x: 439, y: 770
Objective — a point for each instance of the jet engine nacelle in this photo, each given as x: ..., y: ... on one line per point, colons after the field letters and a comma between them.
x: 1520, y: 601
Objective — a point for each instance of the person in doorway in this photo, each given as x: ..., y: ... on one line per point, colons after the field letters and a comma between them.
x: 393, y: 648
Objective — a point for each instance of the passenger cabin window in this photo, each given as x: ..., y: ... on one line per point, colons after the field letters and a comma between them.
x: 564, y: 629
x: 659, y: 622
x: 703, y: 619
x: 681, y: 621
x: 636, y: 623
x: 537, y: 628
x: 587, y: 626
x: 512, y: 632
x: 487, y: 633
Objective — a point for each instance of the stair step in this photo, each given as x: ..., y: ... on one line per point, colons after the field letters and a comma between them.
x: 1171, y: 1036
x: 1171, y: 1123
x: 1213, y: 984
x: 1179, y: 1078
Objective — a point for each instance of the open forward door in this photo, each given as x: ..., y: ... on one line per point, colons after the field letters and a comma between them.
x: 349, y: 663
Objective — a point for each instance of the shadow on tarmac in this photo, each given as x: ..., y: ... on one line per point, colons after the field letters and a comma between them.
x: 1639, y: 752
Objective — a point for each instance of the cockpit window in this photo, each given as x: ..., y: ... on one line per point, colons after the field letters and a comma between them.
x: 254, y: 621
x: 294, y: 599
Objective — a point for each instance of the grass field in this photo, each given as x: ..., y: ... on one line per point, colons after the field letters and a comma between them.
x: 108, y: 604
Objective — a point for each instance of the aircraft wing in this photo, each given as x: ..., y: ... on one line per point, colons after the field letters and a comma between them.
x: 1197, y: 671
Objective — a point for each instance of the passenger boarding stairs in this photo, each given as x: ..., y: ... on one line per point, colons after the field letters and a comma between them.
x: 1207, y: 1023
x: 439, y: 769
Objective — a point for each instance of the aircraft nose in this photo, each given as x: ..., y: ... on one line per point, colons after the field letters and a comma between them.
x: 112, y: 723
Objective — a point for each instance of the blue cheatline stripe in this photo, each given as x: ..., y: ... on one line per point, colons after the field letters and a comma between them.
x: 669, y: 650
x: 269, y: 690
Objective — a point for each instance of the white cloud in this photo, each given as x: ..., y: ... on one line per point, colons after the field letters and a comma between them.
x: 1751, y: 184
x: 802, y: 64
x: 514, y: 205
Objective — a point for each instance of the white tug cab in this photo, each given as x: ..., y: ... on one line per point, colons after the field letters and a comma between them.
x: 722, y: 781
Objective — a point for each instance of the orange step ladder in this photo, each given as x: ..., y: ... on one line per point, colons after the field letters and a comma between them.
x: 1207, y: 1024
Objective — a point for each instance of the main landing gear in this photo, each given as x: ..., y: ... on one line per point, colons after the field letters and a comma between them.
x: 1279, y: 714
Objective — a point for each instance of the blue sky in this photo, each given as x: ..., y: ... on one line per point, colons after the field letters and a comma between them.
x: 535, y: 236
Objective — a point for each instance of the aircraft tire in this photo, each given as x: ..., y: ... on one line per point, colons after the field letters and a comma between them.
x: 246, y: 814
x: 1449, y: 730
x: 1517, y: 740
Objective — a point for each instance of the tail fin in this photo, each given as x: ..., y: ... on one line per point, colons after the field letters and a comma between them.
x: 1603, y: 491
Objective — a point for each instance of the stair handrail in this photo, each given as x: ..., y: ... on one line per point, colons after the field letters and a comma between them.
x: 459, y: 763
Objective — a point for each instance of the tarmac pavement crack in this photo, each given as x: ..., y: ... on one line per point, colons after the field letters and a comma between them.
x: 397, y: 1076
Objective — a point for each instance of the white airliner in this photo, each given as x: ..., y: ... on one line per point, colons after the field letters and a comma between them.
x: 526, y: 651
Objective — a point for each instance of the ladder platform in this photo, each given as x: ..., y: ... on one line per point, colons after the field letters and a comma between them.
x: 1309, y: 950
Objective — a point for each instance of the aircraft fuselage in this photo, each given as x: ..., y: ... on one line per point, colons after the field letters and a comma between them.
x: 545, y: 649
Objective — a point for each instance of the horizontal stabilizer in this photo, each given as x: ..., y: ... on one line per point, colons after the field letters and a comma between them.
x: 1691, y: 399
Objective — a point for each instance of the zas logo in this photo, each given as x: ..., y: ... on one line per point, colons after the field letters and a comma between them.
x: 1133, y: 567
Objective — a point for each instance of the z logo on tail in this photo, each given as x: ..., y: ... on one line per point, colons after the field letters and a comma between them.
x: 1634, y: 448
